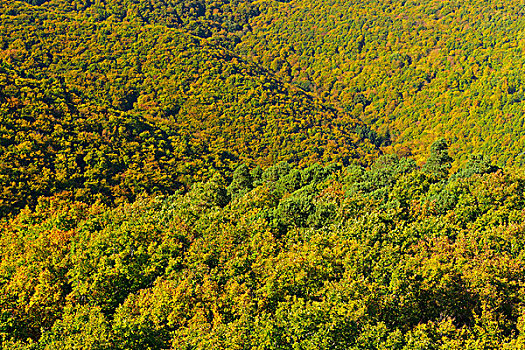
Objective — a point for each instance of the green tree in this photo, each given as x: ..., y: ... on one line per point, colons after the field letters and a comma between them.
x: 439, y: 161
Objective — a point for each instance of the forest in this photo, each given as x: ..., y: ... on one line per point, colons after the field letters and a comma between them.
x: 391, y: 257
x: 262, y: 174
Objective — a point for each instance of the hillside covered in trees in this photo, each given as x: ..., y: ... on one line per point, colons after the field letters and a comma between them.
x: 416, y: 70
x: 413, y: 71
x: 394, y: 257
x: 106, y: 109
x: 261, y: 174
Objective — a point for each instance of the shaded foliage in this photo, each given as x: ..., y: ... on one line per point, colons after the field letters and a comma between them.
x: 110, y: 109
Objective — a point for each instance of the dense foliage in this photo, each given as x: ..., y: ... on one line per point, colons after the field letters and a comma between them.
x: 112, y: 109
x: 200, y: 174
x: 417, y: 70
x: 395, y: 257
x: 414, y: 71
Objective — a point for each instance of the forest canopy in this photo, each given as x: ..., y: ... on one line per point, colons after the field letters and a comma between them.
x: 261, y: 174
x: 334, y: 257
x: 108, y: 110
